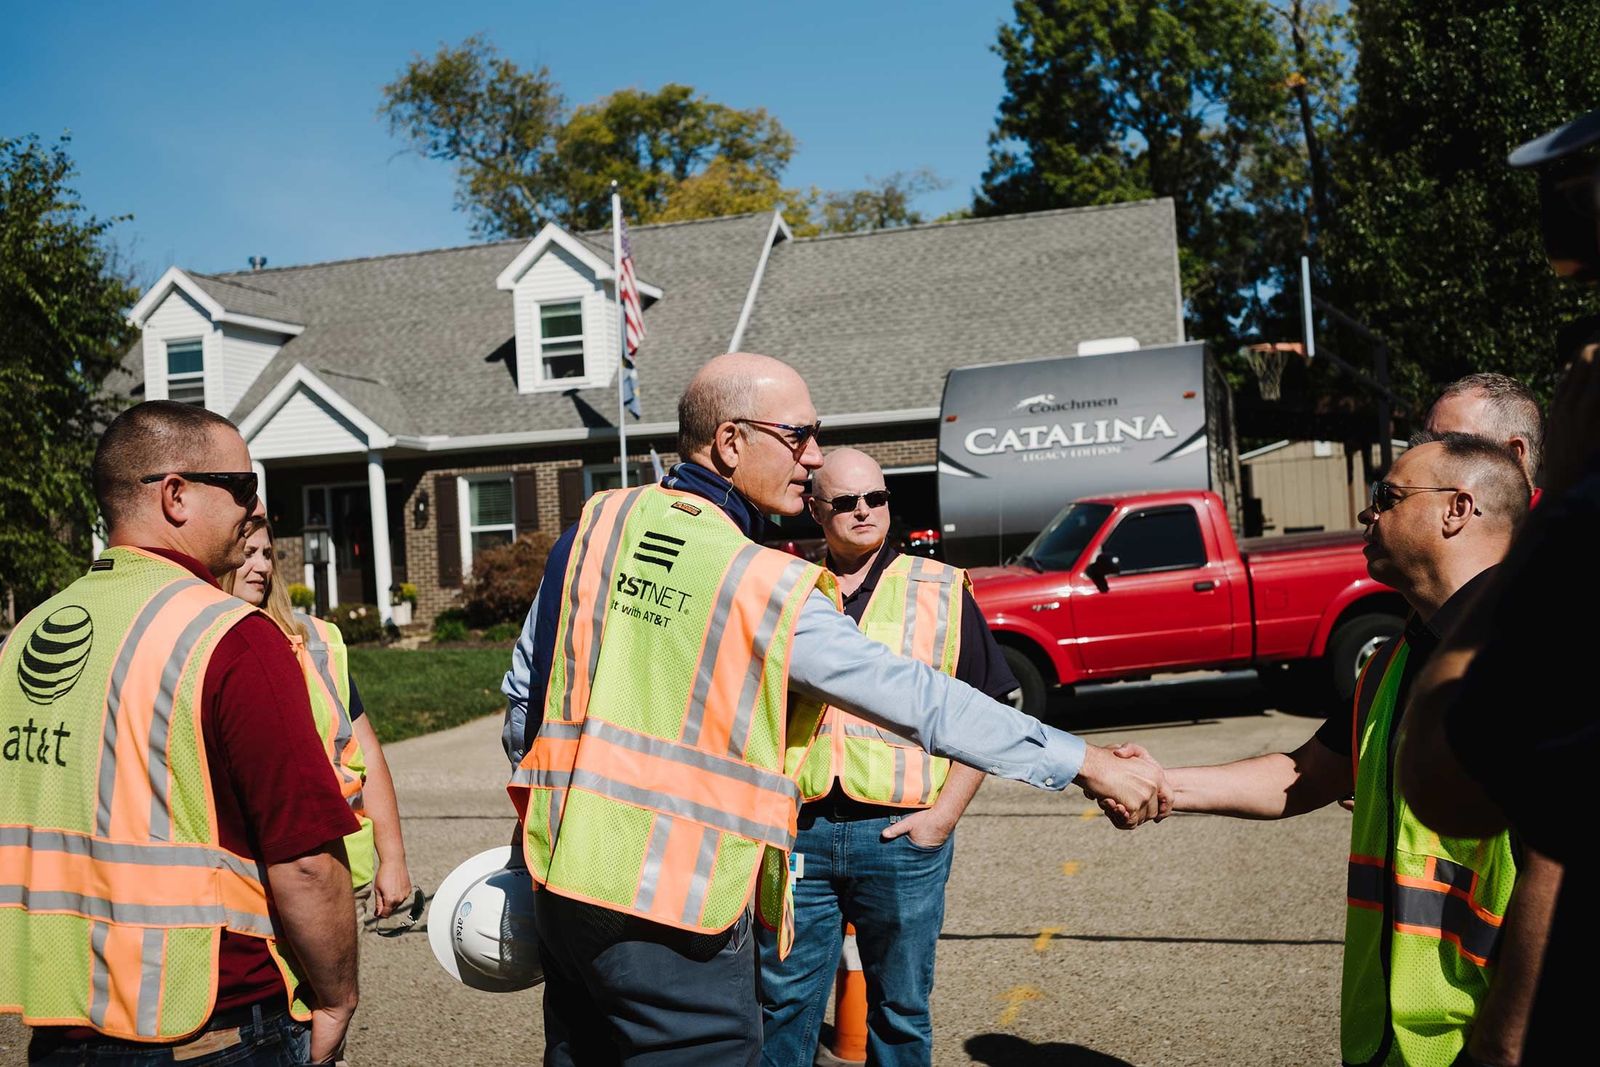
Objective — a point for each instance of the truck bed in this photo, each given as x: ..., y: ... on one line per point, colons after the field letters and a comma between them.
x: 1283, y: 544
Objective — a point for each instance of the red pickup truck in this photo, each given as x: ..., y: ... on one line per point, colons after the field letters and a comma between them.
x: 1121, y: 587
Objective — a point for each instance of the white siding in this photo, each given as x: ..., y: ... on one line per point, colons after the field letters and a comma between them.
x: 179, y: 319
x: 305, y: 426
x: 558, y: 277
x: 244, y: 354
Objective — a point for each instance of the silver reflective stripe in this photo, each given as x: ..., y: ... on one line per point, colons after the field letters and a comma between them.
x: 927, y: 780
x: 695, y: 903
x: 560, y: 731
x: 102, y: 851
x: 119, y: 677
x: 538, y: 778
x: 151, y: 954
x: 692, y: 757
x: 654, y: 857
x: 1365, y: 882
x: 558, y: 802
x: 899, y: 773
x: 1454, y: 875
x: 876, y: 733
x: 1437, y: 910
x: 776, y: 836
x: 100, y: 982
x: 161, y: 721
x: 788, y: 578
x: 941, y: 628
x: 164, y: 915
x: 322, y: 659
x: 694, y: 721
x: 908, y: 612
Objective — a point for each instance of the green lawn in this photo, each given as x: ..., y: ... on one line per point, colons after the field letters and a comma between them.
x: 409, y: 692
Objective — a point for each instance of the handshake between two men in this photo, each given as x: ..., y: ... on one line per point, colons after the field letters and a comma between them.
x: 1130, y: 786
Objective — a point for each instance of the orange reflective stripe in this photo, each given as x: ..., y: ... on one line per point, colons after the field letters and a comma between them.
x: 591, y: 575
x: 117, y: 950
x: 705, y: 673
x: 670, y: 865
x: 782, y: 588
x: 136, y: 712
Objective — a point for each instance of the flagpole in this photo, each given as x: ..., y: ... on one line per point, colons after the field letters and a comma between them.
x: 622, y: 332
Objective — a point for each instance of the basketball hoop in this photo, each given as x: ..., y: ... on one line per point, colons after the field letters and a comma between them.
x: 1268, y: 361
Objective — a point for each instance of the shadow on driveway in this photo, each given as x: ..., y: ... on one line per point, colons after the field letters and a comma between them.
x: 1012, y: 1051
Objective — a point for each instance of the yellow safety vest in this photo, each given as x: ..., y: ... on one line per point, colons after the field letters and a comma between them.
x: 655, y: 786
x: 325, y: 662
x: 915, y: 610
x: 114, y: 887
x: 1424, y: 911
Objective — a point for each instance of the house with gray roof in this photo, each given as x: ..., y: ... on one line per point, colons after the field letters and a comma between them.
x: 407, y: 411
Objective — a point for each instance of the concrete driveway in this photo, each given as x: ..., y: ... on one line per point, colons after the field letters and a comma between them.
x: 1067, y: 942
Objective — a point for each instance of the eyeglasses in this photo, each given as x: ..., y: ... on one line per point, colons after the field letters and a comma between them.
x: 1386, y: 495
x: 875, y: 499
x: 241, y: 485
x: 802, y: 435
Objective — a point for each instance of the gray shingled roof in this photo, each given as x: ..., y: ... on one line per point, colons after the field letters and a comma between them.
x: 246, y: 299
x: 423, y: 343
x: 887, y: 314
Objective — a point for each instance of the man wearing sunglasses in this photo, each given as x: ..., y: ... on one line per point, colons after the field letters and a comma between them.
x: 875, y: 843
x: 678, y: 671
x: 181, y: 831
x: 1424, y: 914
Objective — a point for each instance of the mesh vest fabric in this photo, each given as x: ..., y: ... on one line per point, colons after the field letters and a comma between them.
x: 1423, y: 912
x: 916, y: 611
x: 114, y: 888
x: 655, y: 786
x: 325, y: 661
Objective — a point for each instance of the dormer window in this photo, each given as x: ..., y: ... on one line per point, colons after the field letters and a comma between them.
x: 561, y: 340
x: 186, y: 371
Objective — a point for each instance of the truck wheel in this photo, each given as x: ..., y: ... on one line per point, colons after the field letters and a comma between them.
x: 1353, y: 644
x: 1031, y: 698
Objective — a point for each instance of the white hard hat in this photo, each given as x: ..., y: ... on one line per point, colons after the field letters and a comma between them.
x: 481, y: 927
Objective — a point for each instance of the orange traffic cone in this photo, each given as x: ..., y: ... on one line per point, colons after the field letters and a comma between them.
x: 849, y: 1009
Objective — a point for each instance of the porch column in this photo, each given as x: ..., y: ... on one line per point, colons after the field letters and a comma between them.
x: 379, y: 501
x: 261, y: 481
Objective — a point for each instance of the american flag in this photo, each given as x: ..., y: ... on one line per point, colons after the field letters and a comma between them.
x: 628, y: 285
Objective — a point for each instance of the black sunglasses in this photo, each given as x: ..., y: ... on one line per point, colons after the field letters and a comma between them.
x: 241, y: 485
x: 801, y: 434
x: 1386, y: 495
x: 875, y: 499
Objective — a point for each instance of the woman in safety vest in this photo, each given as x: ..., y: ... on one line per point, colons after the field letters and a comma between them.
x: 381, y: 879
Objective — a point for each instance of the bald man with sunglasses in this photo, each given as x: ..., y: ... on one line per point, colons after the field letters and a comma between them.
x: 1417, y: 967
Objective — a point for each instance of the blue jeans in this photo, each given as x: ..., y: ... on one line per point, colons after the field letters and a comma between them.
x: 269, y: 1038
x: 893, y: 892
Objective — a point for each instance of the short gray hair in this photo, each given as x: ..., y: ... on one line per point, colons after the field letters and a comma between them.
x: 709, y: 402
x: 1515, y: 411
x: 1490, y: 468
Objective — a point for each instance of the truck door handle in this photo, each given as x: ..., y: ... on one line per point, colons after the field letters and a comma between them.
x: 1204, y: 587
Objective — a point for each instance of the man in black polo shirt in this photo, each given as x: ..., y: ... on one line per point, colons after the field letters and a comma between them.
x: 875, y: 840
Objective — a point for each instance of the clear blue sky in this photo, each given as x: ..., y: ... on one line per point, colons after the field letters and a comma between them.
x: 231, y: 130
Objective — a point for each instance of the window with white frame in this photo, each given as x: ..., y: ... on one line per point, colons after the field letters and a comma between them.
x: 561, y: 340
x: 186, y: 371
x: 490, y: 519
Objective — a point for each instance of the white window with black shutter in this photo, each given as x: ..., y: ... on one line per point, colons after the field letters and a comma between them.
x: 491, y: 510
x: 186, y: 371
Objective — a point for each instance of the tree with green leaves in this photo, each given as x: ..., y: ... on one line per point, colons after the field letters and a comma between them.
x: 1204, y: 101
x: 522, y: 159
x: 1436, y: 244
x: 62, y: 332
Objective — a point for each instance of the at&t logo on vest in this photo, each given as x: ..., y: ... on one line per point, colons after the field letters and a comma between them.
x: 54, y: 657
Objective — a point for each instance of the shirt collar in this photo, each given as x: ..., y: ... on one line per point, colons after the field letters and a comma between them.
x: 182, y: 559
x: 690, y: 477
x: 886, y: 556
x: 1428, y: 633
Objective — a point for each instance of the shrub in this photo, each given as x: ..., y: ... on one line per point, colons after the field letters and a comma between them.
x: 503, y: 631
x: 504, y: 579
x: 359, y: 623
x: 301, y: 596
x: 449, y: 630
x: 450, y: 625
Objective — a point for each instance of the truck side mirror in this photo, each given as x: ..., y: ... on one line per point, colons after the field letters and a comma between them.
x: 1100, y: 568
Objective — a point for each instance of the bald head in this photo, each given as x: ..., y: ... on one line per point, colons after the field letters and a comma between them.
x: 847, y: 470
x: 1487, y: 469
x: 738, y: 385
